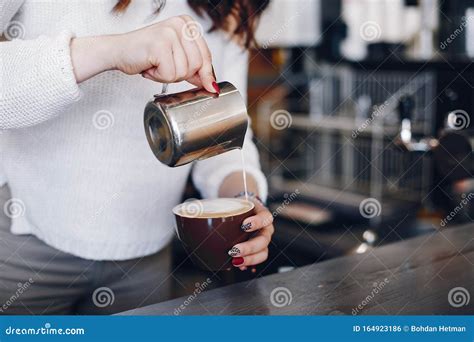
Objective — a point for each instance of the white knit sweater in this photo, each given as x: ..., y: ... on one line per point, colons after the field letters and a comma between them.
x: 75, y: 156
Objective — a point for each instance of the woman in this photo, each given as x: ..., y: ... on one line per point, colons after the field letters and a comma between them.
x: 89, y: 203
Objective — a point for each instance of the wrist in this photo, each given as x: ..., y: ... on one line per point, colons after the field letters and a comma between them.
x: 92, y: 56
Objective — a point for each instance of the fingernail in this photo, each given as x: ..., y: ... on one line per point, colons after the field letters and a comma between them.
x: 237, y: 261
x: 216, y: 87
x: 246, y: 227
x: 234, y: 251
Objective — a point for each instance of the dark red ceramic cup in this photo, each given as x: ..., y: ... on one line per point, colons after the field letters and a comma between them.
x: 207, y: 237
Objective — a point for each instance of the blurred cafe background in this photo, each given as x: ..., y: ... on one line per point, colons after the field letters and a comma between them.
x: 363, y: 115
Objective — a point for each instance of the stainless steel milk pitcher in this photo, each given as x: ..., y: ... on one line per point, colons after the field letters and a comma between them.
x: 195, y: 124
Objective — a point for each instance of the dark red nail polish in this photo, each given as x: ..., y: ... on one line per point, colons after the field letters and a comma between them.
x: 216, y: 87
x: 237, y: 261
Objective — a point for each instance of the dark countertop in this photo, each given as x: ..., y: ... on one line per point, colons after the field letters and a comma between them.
x: 411, y: 277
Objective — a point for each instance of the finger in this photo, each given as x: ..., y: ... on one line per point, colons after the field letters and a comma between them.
x: 195, y: 80
x: 251, y: 260
x: 146, y: 75
x: 251, y: 246
x: 205, y: 73
x: 150, y: 74
x: 190, y: 47
x: 165, y: 71
x: 207, y: 79
x: 259, y: 206
x: 262, y: 219
x: 180, y: 61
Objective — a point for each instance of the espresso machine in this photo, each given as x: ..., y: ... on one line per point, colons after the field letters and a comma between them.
x: 389, y: 113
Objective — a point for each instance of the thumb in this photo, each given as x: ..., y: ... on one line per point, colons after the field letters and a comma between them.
x: 195, y: 80
x: 208, y: 79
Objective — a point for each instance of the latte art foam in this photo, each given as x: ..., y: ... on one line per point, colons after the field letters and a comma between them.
x: 213, y: 208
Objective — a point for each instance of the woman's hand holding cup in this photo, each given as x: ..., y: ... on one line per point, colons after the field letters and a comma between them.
x: 255, y: 250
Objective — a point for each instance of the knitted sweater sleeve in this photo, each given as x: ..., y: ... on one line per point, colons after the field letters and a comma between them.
x: 36, y: 76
